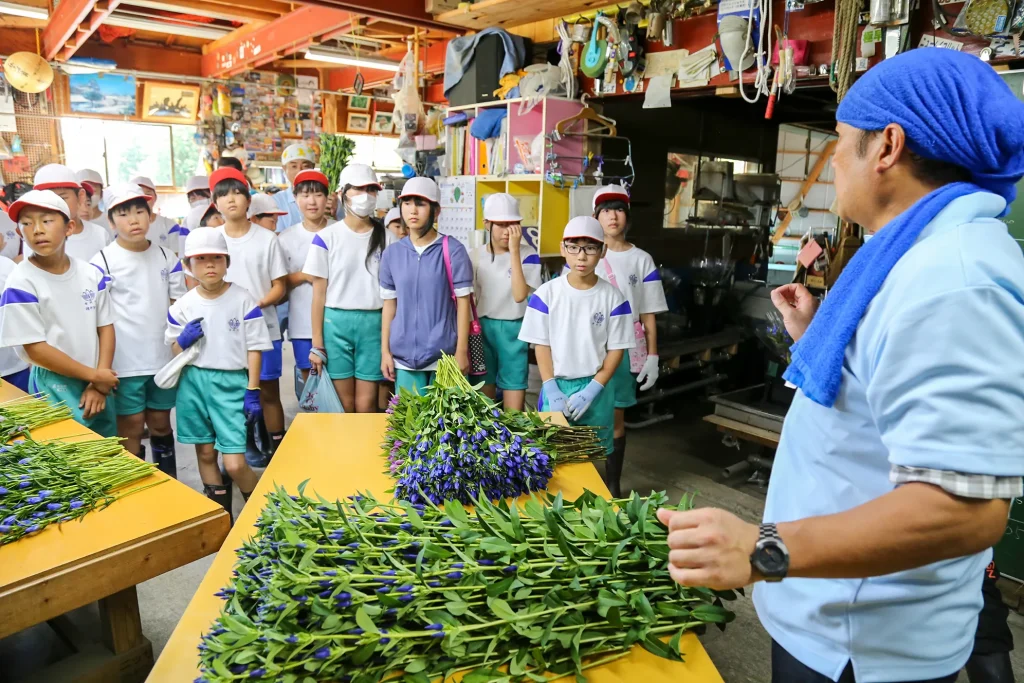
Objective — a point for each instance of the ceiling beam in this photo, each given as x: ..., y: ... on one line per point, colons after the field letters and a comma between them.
x: 71, y: 24
x: 204, y: 8
x: 285, y: 36
x: 343, y: 80
x: 411, y: 12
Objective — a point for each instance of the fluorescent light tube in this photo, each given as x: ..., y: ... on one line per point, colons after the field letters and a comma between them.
x: 24, y: 11
x: 349, y: 60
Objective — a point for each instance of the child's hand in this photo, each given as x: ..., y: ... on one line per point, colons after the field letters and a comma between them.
x: 192, y: 333
x: 462, y: 357
x: 104, y: 379
x: 251, y: 404
x: 92, y: 403
x: 554, y: 399
x: 387, y: 366
x: 316, y: 361
x: 515, y: 234
x: 579, y: 403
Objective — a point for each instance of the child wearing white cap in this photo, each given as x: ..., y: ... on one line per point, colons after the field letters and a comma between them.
x: 57, y: 313
x: 92, y: 210
x: 580, y: 325
x: 425, y: 281
x: 298, y: 156
x: 393, y: 222
x: 197, y: 190
x: 163, y: 231
x: 343, y: 263
x: 258, y: 265
x: 633, y: 272
x: 86, y: 237
x: 142, y: 280
x: 264, y: 212
x: 220, y: 389
x: 505, y: 271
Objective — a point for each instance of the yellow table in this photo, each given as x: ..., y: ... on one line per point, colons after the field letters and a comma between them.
x: 103, y: 557
x: 340, y: 454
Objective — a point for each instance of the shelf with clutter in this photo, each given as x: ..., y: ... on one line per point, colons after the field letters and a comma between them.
x: 544, y: 151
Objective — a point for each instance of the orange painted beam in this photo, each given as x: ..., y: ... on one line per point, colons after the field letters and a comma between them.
x: 411, y: 12
x: 71, y: 24
x: 291, y: 33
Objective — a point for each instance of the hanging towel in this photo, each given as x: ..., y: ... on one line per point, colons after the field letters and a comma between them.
x: 953, y: 108
x: 460, y: 54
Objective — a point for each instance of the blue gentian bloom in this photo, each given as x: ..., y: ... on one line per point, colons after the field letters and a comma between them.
x: 322, y: 653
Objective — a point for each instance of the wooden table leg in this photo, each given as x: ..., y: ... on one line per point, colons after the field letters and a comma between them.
x: 120, y: 622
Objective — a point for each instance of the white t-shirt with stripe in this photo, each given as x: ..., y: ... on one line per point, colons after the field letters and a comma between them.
x: 232, y: 323
x: 338, y: 254
x: 492, y: 281
x: 256, y: 261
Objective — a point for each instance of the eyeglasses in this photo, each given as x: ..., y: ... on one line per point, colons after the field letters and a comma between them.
x: 589, y: 249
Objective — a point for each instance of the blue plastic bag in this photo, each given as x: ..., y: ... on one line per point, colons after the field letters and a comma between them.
x: 319, y: 396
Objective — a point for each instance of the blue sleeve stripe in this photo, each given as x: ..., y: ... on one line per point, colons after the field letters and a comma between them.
x: 102, y: 272
x: 318, y: 242
x: 254, y: 314
x: 531, y: 260
x: 176, y: 268
x: 653, y: 276
x: 171, y: 320
x: 537, y: 304
x: 17, y: 296
x: 622, y: 309
x: 174, y: 230
x: 103, y: 283
x: 184, y: 232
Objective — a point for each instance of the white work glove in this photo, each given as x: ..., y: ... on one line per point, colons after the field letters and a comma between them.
x: 649, y: 373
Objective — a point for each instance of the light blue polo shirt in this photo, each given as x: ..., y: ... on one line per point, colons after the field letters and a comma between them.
x: 285, y: 200
x: 934, y: 378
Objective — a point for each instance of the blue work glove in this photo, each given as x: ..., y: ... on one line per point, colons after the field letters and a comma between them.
x: 580, y: 402
x: 251, y: 405
x: 192, y: 333
x: 554, y: 397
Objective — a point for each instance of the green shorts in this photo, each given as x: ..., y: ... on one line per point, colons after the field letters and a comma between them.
x: 59, y: 388
x: 507, y: 358
x: 601, y: 412
x: 624, y: 384
x: 352, y: 339
x: 210, y: 408
x: 415, y: 381
x: 136, y: 394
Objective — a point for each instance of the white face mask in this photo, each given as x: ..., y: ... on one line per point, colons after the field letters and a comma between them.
x: 95, y: 200
x: 199, y: 201
x: 362, y: 205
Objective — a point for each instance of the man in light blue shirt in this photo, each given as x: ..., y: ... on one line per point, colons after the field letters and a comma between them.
x: 298, y: 156
x: 905, y: 442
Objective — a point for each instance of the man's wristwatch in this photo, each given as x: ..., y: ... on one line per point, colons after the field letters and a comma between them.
x: 770, y: 557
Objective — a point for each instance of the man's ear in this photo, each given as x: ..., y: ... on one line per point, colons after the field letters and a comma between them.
x: 893, y: 147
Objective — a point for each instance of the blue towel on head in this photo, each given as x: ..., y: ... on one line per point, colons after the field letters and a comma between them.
x: 953, y: 108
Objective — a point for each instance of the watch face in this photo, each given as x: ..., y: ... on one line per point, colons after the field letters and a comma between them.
x: 772, y: 559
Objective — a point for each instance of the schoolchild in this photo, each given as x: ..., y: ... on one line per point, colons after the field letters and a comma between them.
x: 580, y: 325
x: 13, y: 369
x: 633, y: 272
x: 426, y: 310
x: 505, y: 271
x: 197, y: 190
x: 311, y: 190
x: 142, y: 281
x: 92, y: 210
x: 393, y: 222
x: 219, y: 390
x: 202, y: 215
x: 257, y: 264
x: 86, y: 237
x: 163, y: 231
x: 344, y: 263
x: 57, y: 312
x: 264, y: 212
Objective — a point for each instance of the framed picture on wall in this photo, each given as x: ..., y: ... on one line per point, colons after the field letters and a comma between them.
x: 383, y: 122
x: 169, y: 102
x: 102, y: 94
x: 359, y: 102
x: 358, y: 123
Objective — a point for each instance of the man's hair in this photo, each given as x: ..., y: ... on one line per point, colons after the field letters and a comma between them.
x: 137, y: 203
x: 225, y: 187
x: 928, y: 171
x: 229, y: 161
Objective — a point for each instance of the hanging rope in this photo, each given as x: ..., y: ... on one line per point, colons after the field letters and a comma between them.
x: 844, y: 46
x: 763, y: 54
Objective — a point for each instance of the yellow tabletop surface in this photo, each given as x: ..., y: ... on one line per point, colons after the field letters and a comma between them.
x: 136, y: 538
x: 340, y: 455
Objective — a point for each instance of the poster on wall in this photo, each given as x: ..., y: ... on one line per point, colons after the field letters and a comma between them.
x: 102, y: 94
x: 170, y: 102
x: 8, y: 124
x: 458, y: 208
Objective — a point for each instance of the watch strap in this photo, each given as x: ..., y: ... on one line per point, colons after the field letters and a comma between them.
x: 767, y: 530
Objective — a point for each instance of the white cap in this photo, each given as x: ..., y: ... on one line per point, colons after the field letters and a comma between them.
x: 122, y: 193
x: 195, y: 216
x: 143, y: 181
x: 610, y: 193
x: 296, y: 151
x: 583, y: 226
x: 358, y: 175
x: 205, y: 241
x: 87, y: 175
x: 53, y: 176
x: 197, y: 182
x: 264, y: 203
x: 394, y: 214
x: 41, y: 199
x: 501, y: 207
x: 421, y: 187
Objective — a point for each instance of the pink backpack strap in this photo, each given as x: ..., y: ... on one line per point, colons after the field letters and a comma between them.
x: 448, y: 265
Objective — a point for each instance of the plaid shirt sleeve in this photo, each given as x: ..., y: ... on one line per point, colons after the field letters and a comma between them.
x: 984, y: 486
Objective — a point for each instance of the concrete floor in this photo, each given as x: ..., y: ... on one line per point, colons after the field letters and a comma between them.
x: 685, y: 455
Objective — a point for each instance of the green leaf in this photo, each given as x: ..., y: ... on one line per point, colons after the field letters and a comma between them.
x: 364, y: 621
x: 416, y: 665
x: 500, y: 588
x: 414, y: 517
x: 332, y: 622
x: 363, y: 653
x: 221, y: 668
x: 456, y: 513
x: 501, y: 609
x: 456, y: 608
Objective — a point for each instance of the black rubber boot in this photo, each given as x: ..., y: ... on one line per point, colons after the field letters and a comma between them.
x: 990, y: 668
x: 613, y: 467
x: 219, y: 494
x: 275, y: 442
x: 163, y: 454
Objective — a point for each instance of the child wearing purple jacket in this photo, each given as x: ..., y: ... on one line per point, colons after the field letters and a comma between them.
x: 424, y: 314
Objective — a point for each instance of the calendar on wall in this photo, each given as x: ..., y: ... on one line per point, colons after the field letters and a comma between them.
x: 458, y: 208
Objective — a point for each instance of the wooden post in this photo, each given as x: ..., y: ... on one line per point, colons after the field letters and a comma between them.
x: 812, y: 177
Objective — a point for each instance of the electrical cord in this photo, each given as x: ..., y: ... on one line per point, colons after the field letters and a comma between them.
x: 565, y: 61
